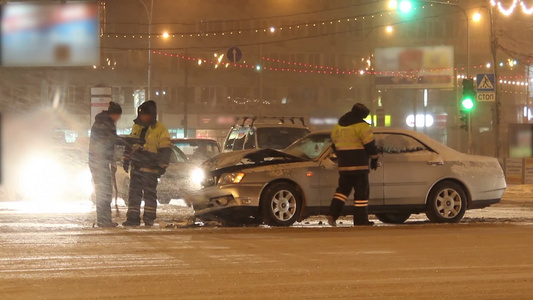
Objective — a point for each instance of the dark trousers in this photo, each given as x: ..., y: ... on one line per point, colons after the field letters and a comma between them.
x: 103, y: 192
x: 143, y: 186
x: 358, y: 182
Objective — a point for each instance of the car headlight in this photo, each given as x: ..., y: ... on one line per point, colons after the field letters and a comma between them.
x: 197, y: 176
x: 229, y: 178
x: 41, y: 177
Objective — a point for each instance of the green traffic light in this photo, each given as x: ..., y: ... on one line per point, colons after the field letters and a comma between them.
x: 467, y: 104
x: 405, y: 6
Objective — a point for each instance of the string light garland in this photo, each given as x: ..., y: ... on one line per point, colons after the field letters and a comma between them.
x: 509, y: 10
x: 325, y: 70
x: 270, y: 29
x: 262, y: 30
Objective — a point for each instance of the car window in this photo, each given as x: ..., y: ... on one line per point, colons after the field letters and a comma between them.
x: 310, y: 146
x: 250, y: 140
x: 236, y: 139
x: 398, y: 143
x: 279, y: 137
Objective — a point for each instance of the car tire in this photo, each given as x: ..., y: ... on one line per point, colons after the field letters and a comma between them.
x: 164, y: 200
x: 281, y: 204
x: 390, y: 218
x: 446, y: 203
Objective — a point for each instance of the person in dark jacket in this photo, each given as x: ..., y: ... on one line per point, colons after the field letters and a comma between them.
x: 149, y: 160
x: 103, y: 140
x: 354, y: 145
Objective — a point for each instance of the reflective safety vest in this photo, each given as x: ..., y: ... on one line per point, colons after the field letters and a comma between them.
x: 154, y: 153
x: 354, y: 145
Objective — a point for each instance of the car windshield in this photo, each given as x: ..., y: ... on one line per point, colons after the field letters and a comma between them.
x: 309, y: 147
x: 198, y: 148
x: 279, y: 137
x: 178, y: 157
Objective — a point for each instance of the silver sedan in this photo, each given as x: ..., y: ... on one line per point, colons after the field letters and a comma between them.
x: 417, y: 175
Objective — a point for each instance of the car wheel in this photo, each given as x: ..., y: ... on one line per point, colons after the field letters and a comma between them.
x: 281, y: 204
x: 164, y: 200
x: 446, y: 203
x: 389, y: 218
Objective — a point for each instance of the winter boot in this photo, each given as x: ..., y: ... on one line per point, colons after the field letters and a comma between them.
x: 106, y: 224
x: 130, y: 223
x: 360, y: 217
x: 335, y: 210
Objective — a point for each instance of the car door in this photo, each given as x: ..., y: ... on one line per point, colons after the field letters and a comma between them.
x: 329, y: 178
x: 409, y: 169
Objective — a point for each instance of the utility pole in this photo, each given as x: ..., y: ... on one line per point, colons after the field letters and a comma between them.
x: 497, y: 105
x: 186, y: 96
x: 149, y: 75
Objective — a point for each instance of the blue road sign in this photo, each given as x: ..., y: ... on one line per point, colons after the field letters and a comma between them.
x: 485, y: 82
x: 234, y: 54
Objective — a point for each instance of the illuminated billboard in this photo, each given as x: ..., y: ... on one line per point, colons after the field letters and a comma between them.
x: 414, y: 67
x: 41, y: 35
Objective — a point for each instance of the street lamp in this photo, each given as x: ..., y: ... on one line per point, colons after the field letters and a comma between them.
x: 476, y: 17
x: 165, y: 35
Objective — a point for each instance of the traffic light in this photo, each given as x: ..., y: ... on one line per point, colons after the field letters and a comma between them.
x: 405, y: 6
x: 465, y: 119
x: 469, y: 95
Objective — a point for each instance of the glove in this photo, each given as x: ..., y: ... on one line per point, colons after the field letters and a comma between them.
x: 162, y: 171
x: 374, y: 164
x: 126, y: 165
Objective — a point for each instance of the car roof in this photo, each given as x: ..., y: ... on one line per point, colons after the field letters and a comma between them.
x: 193, y: 139
x: 433, y: 144
x: 272, y: 125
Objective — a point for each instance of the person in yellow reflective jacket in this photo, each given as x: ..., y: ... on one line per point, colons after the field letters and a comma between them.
x: 149, y: 157
x: 354, y: 144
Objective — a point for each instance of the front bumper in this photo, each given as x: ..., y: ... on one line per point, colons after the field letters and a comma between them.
x: 218, y: 198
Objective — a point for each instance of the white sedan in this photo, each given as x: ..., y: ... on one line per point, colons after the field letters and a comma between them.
x: 417, y: 175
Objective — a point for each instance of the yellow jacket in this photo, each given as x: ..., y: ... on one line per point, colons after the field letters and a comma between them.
x: 152, y: 153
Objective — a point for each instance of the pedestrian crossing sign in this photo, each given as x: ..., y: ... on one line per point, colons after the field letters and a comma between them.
x: 485, y: 82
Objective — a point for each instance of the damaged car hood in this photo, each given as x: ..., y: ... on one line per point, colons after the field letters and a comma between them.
x: 248, y: 159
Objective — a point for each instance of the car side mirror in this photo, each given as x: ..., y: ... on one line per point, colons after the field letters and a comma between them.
x: 435, y: 160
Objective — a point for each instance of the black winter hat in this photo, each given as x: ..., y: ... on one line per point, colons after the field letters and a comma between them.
x: 114, y: 108
x: 360, y: 110
x: 148, y: 108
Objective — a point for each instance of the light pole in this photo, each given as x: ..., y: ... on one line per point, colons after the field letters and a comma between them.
x: 149, y: 16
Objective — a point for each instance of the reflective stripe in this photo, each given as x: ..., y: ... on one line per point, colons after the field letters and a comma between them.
x: 356, y: 168
x: 148, y: 170
x: 349, y: 147
x: 149, y: 209
x: 340, y: 196
x: 361, y: 205
x: 361, y: 201
x: 374, y: 156
x: 133, y: 209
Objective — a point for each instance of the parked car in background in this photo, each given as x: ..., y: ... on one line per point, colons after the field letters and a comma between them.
x: 181, y: 177
x: 197, y: 150
x: 264, y: 133
x: 417, y: 175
